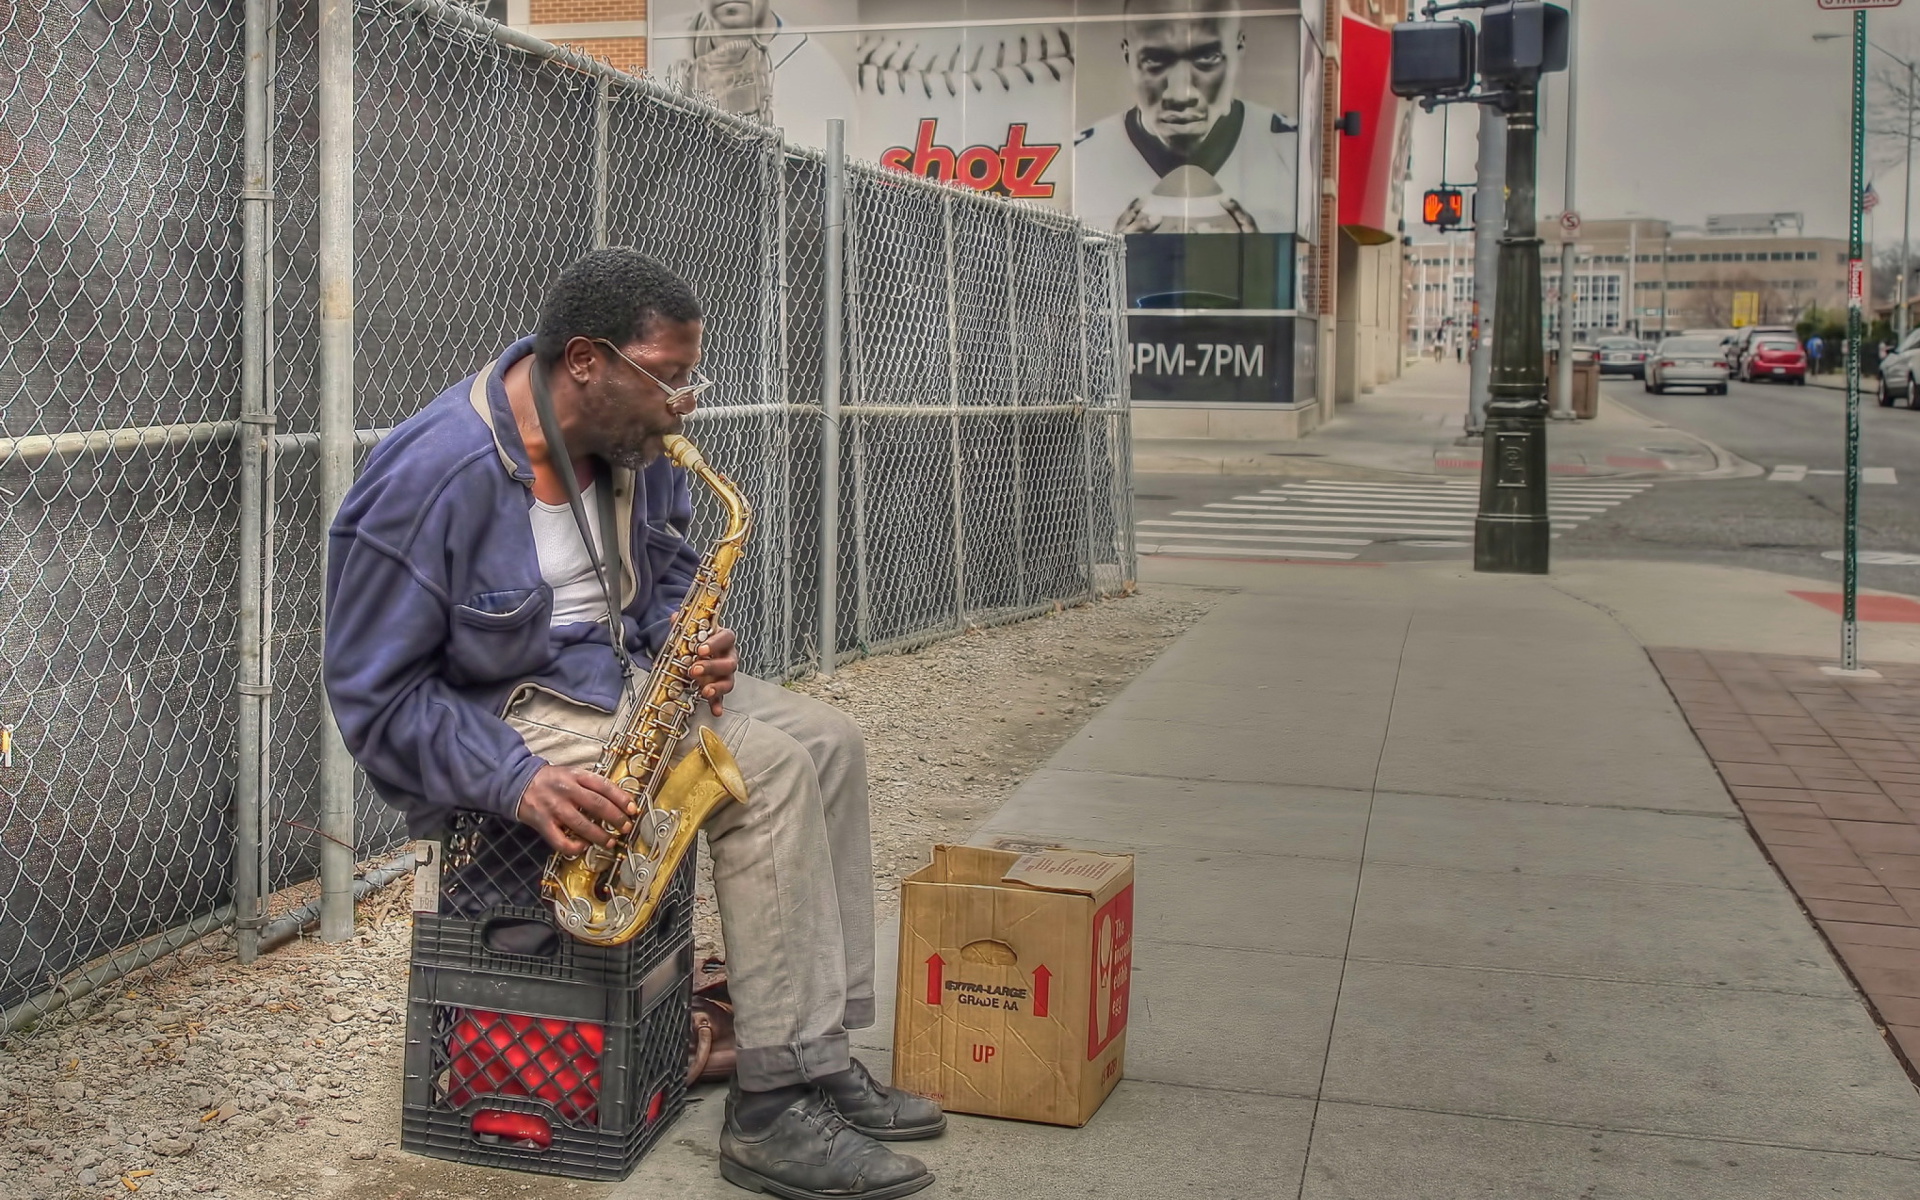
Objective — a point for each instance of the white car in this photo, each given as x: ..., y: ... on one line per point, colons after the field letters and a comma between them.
x: 1688, y: 362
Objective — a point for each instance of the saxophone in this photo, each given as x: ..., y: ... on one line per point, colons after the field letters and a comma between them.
x: 609, y: 893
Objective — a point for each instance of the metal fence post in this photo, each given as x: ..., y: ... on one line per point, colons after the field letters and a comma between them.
x: 1081, y: 250
x: 777, y: 392
x: 833, y: 221
x: 335, y: 167
x: 1019, y: 420
x: 602, y: 153
x: 953, y: 398
x: 1121, y: 398
x: 252, y: 685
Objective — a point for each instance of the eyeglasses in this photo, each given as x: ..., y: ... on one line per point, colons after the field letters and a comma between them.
x: 695, y: 388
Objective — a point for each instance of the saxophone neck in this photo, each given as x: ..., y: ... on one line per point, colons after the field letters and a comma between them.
x: 739, y: 514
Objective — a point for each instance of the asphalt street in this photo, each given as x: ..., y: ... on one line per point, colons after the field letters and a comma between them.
x: 1788, y: 519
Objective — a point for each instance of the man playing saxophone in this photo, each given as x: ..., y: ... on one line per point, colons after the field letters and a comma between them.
x: 469, y: 664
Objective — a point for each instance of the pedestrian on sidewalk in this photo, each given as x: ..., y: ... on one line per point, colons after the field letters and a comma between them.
x: 1816, y: 347
x: 469, y: 662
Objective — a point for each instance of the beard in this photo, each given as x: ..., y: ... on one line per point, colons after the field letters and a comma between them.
x: 632, y: 459
x: 622, y: 435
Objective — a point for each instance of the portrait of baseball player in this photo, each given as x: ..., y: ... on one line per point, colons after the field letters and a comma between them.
x: 1193, y: 154
x: 750, y: 60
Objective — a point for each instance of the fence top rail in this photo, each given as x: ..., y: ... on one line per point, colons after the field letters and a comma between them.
x: 450, y: 14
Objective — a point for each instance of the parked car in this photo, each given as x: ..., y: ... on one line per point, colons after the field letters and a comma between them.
x: 1897, y: 371
x: 1688, y: 362
x: 1776, y: 358
x: 1742, y: 344
x: 1622, y: 356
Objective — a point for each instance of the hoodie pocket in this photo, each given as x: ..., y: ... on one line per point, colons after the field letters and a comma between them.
x: 497, y: 635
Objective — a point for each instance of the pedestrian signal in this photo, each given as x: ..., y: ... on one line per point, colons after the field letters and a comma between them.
x: 1444, y: 207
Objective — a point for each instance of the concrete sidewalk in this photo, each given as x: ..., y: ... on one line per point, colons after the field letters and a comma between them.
x: 1438, y: 897
x: 1413, y: 424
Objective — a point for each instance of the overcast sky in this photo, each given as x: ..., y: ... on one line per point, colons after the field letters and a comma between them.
x: 1690, y: 107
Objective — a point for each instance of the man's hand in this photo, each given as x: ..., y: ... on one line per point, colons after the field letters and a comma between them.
x: 713, y: 674
x: 570, y: 808
x: 1242, y: 219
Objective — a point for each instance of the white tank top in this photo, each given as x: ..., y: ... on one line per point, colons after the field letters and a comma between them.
x: 564, y: 563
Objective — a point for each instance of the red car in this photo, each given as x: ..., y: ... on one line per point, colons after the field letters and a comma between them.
x: 1779, y: 359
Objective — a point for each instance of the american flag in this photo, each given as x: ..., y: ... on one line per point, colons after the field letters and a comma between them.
x: 1868, y: 199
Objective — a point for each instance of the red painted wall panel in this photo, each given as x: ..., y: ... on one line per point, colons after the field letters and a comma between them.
x: 1366, y: 161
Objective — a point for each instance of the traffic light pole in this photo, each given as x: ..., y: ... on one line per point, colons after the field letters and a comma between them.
x: 1511, y: 532
x: 1488, y: 223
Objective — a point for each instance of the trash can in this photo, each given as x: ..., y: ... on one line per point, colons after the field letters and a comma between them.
x: 1586, y: 382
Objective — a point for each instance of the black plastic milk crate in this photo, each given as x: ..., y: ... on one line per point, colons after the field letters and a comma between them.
x: 543, y: 1075
x: 492, y: 918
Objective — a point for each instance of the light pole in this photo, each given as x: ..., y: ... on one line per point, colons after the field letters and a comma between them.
x: 1435, y: 62
x: 1563, y: 360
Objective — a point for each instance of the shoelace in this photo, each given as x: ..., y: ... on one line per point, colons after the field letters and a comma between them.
x: 820, y: 1112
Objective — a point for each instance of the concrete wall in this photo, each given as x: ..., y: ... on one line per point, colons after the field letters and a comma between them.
x: 1371, y: 325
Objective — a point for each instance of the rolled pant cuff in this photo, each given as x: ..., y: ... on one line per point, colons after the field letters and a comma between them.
x: 763, y: 1068
x: 860, y: 1014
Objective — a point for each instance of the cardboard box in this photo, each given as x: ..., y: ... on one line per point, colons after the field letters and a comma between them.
x: 1014, y: 972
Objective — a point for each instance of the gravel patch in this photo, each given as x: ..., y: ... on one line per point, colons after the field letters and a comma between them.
x: 202, y: 1077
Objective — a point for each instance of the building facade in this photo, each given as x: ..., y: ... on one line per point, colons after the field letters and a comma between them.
x: 1645, y: 277
x: 1257, y: 218
x: 1649, y: 277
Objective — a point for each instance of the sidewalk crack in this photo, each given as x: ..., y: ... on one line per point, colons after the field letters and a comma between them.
x: 1353, y: 910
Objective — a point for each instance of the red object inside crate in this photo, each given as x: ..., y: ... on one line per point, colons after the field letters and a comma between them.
x: 522, y: 1131
x: 505, y: 1054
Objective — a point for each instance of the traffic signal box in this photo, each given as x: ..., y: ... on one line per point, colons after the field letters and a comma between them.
x: 1444, y: 207
x: 1014, y: 981
x: 527, y: 1049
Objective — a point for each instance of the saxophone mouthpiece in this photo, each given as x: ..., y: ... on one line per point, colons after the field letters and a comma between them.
x: 683, y: 452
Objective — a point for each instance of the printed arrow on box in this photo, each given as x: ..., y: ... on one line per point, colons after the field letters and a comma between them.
x: 1042, y: 981
x: 934, y: 964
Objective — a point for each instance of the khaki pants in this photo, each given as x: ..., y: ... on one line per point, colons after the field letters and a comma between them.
x: 793, y: 868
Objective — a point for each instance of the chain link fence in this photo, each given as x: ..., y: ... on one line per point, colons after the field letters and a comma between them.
x: 164, y: 382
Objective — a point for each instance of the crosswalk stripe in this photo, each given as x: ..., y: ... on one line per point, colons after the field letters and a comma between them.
x: 1324, y: 528
x: 1321, y: 515
x: 1412, y: 508
x: 1570, y: 514
x: 1798, y: 472
x: 1245, y: 552
x: 1468, y: 503
x: 1467, y: 485
x: 1237, y: 536
x: 1427, y: 493
x: 1460, y: 522
x: 1357, y: 513
x: 1424, y: 496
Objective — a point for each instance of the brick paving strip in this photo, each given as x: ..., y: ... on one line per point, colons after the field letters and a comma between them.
x: 1827, y: 772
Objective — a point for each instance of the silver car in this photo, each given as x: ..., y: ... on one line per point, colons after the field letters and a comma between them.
x: 1688, y: 362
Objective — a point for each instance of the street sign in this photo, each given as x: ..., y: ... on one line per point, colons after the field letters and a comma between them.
x: 1570, y: 223
x: 1746, y: 309
x: 1847, y: 4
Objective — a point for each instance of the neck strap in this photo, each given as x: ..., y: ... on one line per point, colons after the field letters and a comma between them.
x: 608, y: 572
